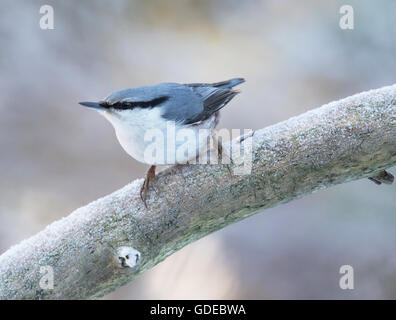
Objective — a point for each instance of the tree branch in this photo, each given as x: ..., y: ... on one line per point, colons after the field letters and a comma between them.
x: 109, y: 242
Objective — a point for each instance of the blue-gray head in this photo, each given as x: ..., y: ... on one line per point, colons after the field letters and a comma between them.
x: 183, y: 103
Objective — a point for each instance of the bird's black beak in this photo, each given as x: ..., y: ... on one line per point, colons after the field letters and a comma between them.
x: 93, y: 105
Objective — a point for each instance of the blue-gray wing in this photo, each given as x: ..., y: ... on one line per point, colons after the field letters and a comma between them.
x: 198, y: 101
x: 213, y: 99
x: 227, y: 84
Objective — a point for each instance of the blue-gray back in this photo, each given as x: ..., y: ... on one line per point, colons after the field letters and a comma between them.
x: 183, y: 103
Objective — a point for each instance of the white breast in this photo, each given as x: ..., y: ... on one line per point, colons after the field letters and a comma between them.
x: 150, y: 139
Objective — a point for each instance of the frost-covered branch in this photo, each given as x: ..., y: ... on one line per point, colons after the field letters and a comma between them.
x: 109, y: 242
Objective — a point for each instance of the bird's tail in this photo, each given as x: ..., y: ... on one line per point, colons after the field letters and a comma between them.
x: 228, y: 84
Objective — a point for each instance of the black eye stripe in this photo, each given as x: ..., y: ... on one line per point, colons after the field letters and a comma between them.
x: 126, y: 105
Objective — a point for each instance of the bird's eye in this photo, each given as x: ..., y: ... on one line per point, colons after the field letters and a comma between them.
x: 124, y: 105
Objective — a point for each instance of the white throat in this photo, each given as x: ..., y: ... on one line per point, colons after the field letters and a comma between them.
x: 139, y: 132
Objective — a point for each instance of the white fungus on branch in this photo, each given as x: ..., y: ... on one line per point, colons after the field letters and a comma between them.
x: 127, y: 257
x: 104, y: 245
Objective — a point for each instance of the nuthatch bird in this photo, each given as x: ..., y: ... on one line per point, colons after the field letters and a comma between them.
x: 134, y: 112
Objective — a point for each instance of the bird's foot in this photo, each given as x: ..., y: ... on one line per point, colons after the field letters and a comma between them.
x: 222, y: 155
x: 382, y: 177
x: 245, y: 136
x: 145, y: 186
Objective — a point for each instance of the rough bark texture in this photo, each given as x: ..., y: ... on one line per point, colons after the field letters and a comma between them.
x: 343, y: 141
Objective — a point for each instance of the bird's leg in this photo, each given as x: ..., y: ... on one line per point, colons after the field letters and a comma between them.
x: 245, y: 136
x: 145, y: 186
x: 220, y: 152
x: 382, y: 177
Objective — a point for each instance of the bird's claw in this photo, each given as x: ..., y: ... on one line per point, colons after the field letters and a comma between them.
x: 143, y: 193
x: 145, y: 186
x: 382, y: 177
x: 222, y: 155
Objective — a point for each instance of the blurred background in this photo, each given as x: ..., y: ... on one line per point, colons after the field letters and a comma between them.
x: 57, y: 156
